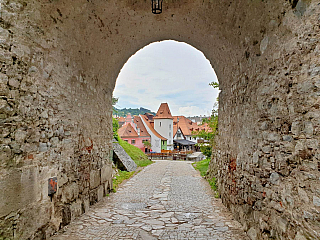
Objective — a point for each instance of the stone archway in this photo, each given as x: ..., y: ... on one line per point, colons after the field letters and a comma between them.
x: 60, y: 60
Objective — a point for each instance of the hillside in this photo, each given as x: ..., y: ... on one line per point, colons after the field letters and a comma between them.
x: 133, y: 111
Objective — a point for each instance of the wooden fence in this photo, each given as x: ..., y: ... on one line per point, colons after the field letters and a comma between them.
x: 167, y: 156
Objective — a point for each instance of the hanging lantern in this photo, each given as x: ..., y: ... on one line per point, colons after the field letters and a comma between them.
x: 156, y: 6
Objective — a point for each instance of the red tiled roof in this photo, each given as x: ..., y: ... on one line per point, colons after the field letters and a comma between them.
x: 127, y: 131
x: 164, y: 112
x: 186, y: 125
x: 148, y: 123
x: 121, y: 119
x: 143, y: 130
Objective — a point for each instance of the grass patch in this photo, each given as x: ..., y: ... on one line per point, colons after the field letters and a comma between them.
x: 135, y: 153
x: 214, y: 186
x: 122, y: 175
x: 202, y: 166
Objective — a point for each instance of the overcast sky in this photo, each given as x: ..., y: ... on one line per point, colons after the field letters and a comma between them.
x: 171, y: 72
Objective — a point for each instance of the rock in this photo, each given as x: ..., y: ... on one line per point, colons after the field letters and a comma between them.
x: 296, y: 128
x: 94, y: 178
x: 255, y: 157
x: 303, y: 195
x: 316, y: 201
x: 4, y: 34
x: 282, y: 224
x: 264, y: 44
x: 287, y: 138
x: 33, y: 69
x: 5, y: 153
x: 20, y: 135
x: 308, y: 128
x: 44, y: 114
x: 299, y: 236
x: 43, y: 147
x: 275, y: 178
x: 266, y: 149
x: 252, y: 233
x: 54, y: 141
x: 16, y: 148
x: 14, y: 83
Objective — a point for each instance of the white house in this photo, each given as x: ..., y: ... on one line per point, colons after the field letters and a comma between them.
x: 163, y: 124
x: 158, y: 142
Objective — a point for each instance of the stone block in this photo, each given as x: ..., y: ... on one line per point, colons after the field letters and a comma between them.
x: 303, y: 195
x: 69, y: 192
x: 20, y: 135
x: 252, y: 233
x: 18, y: 189
x: 122, y: 159
x: 316, y: 201
x: 86, y: 204
x: 106, y: 173
x: 76, y: 209
x: 43, y: 147
x: 299, y: 236
x: 100, y: 192
x: 14, y: 83
x: 94, y: 179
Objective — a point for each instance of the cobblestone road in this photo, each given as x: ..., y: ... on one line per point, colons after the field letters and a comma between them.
x: 166, y: 200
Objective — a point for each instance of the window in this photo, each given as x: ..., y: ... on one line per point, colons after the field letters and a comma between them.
x: 178, y: 135
x: 169, y: 134
x: 126, y: 140
x: 160, y: 124
x: 133, y: 141
x: 169, y: 126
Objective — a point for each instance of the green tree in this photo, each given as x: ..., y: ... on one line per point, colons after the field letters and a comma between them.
x: 209, y: 134
x: 115, y: 127
x: 147, y: 144
x: 114, y: 100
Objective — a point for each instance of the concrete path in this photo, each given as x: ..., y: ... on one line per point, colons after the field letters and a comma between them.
x: 166, y: 200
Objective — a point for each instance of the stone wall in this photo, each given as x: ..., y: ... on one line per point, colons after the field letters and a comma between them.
x: 60, y: 60
x: 55, y: 122
x: 268, y: 160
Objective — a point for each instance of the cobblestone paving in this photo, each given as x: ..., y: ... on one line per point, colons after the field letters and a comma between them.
x: 166, y: 200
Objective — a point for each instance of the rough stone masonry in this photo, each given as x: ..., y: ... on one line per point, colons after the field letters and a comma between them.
x: 59, y: 63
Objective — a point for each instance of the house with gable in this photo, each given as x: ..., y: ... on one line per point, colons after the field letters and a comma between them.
x: 163, y: 124
x: 158, y: 142
x: 164, y: 131
x: 134, y: 132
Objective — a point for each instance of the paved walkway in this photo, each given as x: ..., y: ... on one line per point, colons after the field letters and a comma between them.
x: 166, y: 200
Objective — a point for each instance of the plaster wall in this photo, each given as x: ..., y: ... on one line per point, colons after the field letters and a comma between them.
x: 165, y: 131
x: 155, y: 141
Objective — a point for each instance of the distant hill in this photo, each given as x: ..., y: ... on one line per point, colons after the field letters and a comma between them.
x: 134, y: 111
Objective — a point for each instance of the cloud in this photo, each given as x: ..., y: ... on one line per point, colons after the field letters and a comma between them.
x: 171, y: 72
x: 192, y: 111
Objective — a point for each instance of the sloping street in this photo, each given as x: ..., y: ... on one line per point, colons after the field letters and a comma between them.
x: 166, y: 200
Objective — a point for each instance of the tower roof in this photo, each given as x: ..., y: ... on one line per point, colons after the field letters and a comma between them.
x: 163, y: 112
